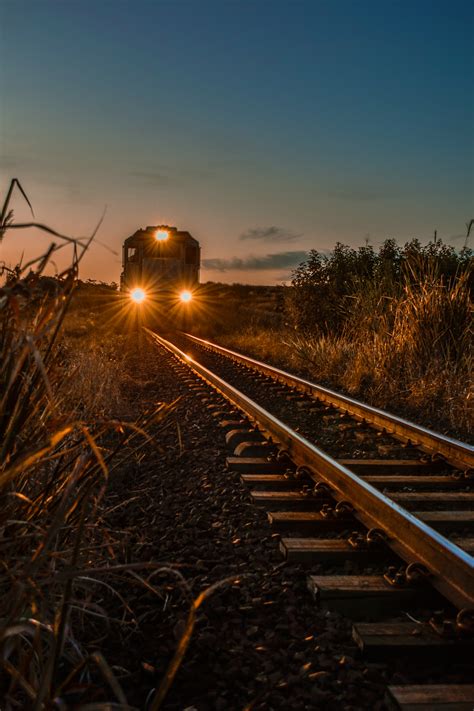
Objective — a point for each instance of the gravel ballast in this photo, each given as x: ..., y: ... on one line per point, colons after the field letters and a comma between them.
x: 259, y: 641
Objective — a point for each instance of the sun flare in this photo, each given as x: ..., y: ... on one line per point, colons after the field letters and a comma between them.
x: 137, y: 295
x: 186, y: 296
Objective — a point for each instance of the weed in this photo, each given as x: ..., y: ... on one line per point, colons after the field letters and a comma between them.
x: 393, y: 328
x: 59, y: 446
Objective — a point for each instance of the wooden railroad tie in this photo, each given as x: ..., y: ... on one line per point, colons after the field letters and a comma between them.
x: 433, y: 697
x: 389, y: 639
x: 363, y: 596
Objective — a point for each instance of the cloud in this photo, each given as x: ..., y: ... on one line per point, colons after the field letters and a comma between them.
x: 270, y: 234
x: 280, y: 260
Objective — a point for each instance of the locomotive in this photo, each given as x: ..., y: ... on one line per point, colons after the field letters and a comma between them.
x: 161, y: 270
x: 160, y: 260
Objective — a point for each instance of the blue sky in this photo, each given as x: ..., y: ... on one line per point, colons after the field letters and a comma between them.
x: 265, y: 128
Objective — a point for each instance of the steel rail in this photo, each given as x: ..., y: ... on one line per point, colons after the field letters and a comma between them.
x: 458, y: 453
x: 451, y: 569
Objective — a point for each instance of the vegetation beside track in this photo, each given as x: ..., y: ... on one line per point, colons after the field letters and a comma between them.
x: 101, y: 564
x: 392, y: 328
x: 65, y: 428
x: 73, y: 414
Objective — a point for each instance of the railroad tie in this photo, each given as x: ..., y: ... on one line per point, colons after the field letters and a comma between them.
x: 362, y: 596
x: 430, y: 697
x: 378, y: 640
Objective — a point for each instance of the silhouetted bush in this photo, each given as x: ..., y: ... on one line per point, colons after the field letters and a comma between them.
x: 329, y: 290
x: 392, y: 327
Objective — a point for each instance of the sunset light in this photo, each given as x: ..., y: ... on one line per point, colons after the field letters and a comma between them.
x: 137, y: 295
x: 235, y: 295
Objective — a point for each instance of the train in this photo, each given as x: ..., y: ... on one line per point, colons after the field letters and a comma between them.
x: 160, y: 271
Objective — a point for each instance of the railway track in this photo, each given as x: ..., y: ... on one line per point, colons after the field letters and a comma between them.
x: 388, y: 502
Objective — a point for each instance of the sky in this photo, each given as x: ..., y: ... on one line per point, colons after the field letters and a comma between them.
x: 264, y: 128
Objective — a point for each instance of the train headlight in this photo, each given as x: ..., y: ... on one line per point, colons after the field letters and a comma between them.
x: 186, y: 296
x: 161, y: 235
x: 137, y: 295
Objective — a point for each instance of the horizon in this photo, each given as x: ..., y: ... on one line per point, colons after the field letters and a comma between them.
x: 264, y: 130
x: 285, y: 281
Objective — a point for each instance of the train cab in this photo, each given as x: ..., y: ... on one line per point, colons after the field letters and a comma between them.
x: 160, y: 268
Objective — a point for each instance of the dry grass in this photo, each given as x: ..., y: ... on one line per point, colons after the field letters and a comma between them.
x: 411, y: 354
x: 52, y: 476
x: 66, y: 570
x: 63, y: 390
x: 61, y: 441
